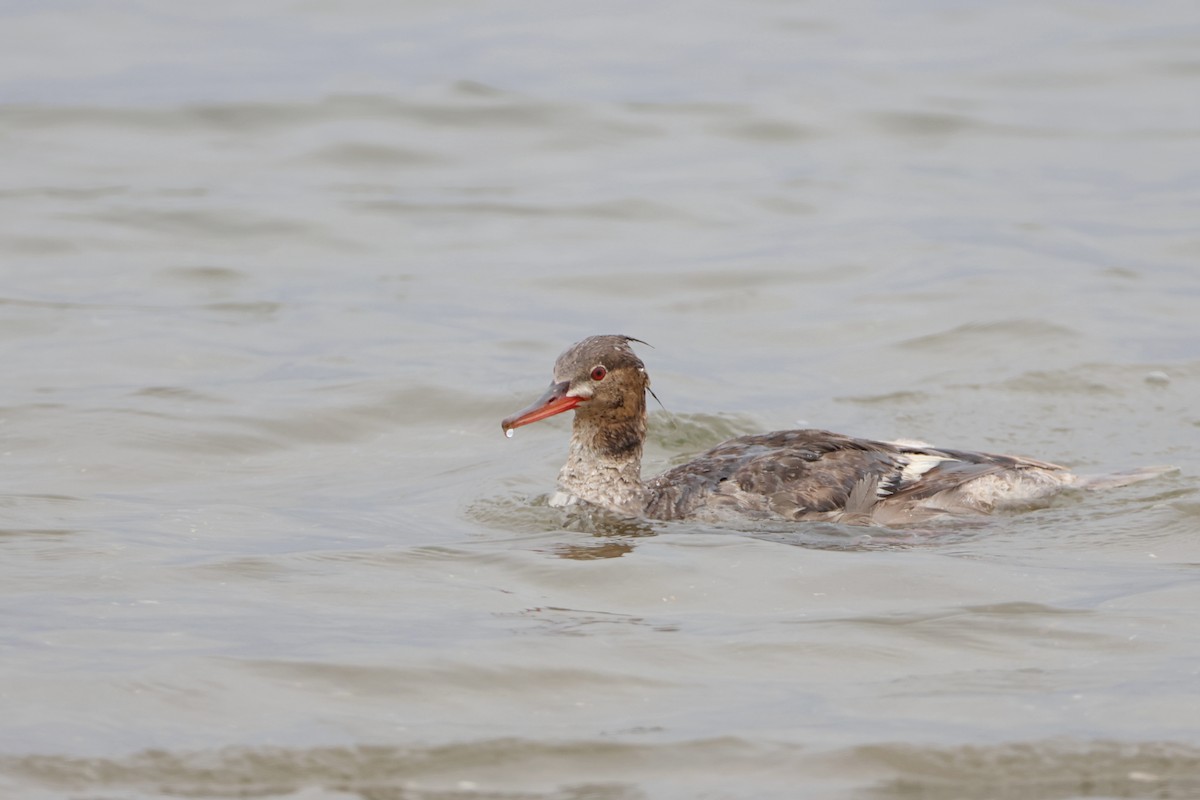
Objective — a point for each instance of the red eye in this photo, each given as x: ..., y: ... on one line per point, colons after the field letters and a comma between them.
x: 598, y: 373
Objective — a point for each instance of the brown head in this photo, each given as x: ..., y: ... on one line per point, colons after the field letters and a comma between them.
x: 603, y: 380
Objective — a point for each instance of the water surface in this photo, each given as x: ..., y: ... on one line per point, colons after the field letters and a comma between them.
x: 272, y: 275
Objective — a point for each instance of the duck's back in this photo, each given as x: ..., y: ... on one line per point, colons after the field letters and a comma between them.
x: 818, y: 475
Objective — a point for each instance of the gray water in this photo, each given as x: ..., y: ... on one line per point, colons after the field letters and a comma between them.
x: 271, y: 274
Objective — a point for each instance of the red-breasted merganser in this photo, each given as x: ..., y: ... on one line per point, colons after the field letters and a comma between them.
x: 790, y: 475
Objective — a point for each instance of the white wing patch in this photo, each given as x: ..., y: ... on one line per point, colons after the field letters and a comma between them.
x: 918, y: 464
x: 915, y: 465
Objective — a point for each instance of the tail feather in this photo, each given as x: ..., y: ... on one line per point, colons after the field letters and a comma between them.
x: 1123, y: 478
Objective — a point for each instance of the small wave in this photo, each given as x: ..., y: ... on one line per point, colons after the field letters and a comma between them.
x: 612, y: 768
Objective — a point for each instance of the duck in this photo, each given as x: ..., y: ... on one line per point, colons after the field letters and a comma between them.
x: 792, y: 475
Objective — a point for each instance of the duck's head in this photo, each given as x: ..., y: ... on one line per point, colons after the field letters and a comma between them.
x: 601, y: 377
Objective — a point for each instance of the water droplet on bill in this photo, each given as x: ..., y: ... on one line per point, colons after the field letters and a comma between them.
x: 508, y: 432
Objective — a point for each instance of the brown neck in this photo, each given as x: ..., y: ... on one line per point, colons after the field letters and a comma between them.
x: 604, y: 463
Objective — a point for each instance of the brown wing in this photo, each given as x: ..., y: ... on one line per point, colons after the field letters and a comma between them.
x: 813, y: 474
x: 790, y: 474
